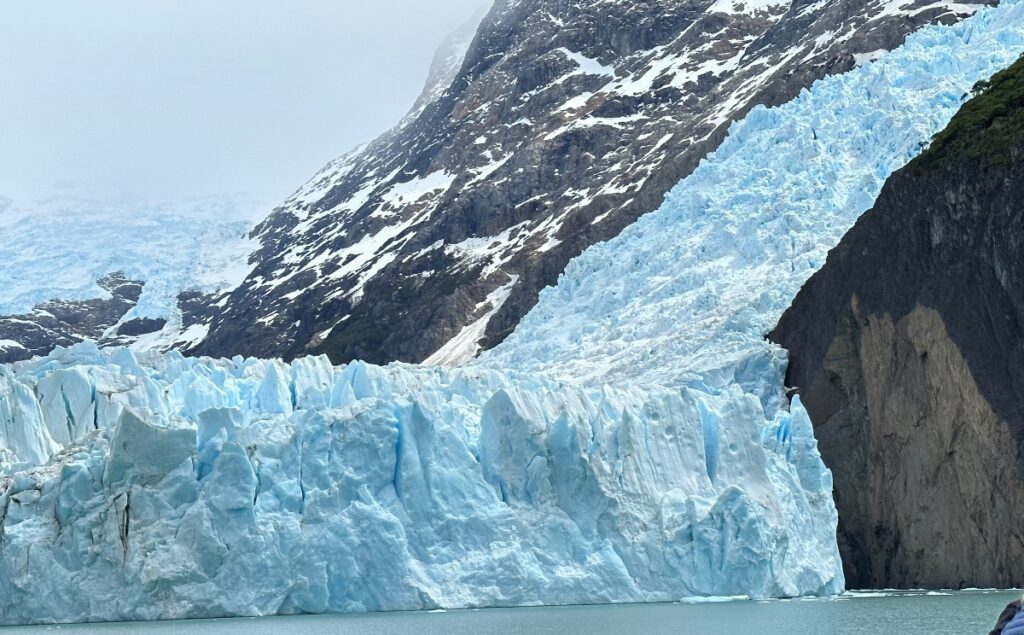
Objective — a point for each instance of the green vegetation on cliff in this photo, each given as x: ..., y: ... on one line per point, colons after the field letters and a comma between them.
x: 988, y: 125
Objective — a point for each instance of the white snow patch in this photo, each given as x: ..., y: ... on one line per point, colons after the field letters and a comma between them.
x: 586, y: 65
x: 464, y: 346
x: 746, y: 6
x: 864, y: 58
x: 415, y: 189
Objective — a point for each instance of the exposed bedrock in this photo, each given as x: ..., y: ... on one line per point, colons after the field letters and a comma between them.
x: 65, y: 322
x: 908, y: 352
x: 565, y: 122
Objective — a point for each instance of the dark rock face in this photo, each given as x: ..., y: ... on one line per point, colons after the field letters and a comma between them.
x: 65, y: 322
x: 141, y: 326
x: 566, y: 121
x: 908, y: 351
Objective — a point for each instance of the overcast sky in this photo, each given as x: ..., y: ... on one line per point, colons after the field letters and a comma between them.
x: 161, y: 99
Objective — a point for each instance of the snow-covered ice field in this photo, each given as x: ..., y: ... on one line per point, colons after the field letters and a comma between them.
x: 58, y: 249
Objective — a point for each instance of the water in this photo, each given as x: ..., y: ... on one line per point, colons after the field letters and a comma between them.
x: 897, y: 612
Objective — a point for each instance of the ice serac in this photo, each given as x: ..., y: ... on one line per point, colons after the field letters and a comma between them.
x: 565, y: 122
x: 191, y: 488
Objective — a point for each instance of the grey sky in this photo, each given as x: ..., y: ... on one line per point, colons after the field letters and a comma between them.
x: 161, y: 99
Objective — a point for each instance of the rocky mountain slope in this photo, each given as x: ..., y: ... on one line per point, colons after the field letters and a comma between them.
x: 65, y: 322
x: 566, y: 122
x: 908, y: 351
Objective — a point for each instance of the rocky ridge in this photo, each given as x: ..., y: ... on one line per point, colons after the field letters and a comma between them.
x: 65, y: 322
x: 566, y: 122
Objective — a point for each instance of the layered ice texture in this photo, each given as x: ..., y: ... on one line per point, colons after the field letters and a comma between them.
x: 641, y: 449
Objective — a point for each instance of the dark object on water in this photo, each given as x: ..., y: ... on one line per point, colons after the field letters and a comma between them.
x: 1011, y: 620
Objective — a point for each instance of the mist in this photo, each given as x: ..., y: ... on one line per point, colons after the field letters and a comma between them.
x: 164, y: 99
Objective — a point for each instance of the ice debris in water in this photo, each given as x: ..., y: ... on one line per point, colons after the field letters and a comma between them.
x: 160, y: 486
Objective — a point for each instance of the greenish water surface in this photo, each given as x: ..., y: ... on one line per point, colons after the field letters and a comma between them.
x: 883, y: 612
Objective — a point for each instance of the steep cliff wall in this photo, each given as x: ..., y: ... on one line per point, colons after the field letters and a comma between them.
x: 908, y: 351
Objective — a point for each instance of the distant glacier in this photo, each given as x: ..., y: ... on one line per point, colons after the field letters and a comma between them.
x: 630, y: 442
x: 57, y: 249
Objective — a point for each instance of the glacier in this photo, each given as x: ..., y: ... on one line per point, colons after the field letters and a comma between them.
x: 685, y: 295
x: 196, y: 488
x: 631, y: 441
x: 57, y: 249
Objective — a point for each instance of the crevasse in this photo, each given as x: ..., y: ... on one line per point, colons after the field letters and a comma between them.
x: 158, y: 486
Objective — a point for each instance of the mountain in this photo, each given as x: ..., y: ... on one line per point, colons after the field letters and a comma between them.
x: 630, y: 442
x: 685, y: 295
x: 447, y: 62
x: 551, y: 156
x: 907, y: 349
x: 566, y: 121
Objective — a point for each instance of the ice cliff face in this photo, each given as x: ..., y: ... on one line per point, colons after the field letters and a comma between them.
x: 566, y: 121
x: 188, y: 488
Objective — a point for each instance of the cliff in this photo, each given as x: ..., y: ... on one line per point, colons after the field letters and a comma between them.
x: 907, y: 349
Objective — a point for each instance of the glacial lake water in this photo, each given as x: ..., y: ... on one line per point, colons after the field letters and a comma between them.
x: 895, y: 612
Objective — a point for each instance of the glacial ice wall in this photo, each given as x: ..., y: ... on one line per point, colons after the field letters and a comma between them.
x: 189, y: 488
x: 686, y: 294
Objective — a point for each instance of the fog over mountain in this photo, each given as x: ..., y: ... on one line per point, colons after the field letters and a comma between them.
x: 165, y: 100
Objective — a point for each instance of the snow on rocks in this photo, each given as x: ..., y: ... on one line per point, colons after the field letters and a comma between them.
x: 686, y: 294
